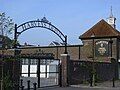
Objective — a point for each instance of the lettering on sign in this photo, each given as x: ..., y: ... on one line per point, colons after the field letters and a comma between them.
x: 42, y: 24
x: 101, y: 48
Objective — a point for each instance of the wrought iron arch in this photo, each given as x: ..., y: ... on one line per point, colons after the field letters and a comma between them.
x: 43, y: 23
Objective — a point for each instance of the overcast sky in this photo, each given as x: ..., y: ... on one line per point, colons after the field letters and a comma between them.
x: 72, y: 17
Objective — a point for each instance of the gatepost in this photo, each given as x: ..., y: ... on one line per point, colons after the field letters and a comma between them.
x: 65, y: 58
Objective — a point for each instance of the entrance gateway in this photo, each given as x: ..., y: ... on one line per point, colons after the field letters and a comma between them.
x: 44, y: 23
x: 43, y: 70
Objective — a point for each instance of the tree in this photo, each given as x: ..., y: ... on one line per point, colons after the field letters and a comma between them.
x: 6, y: 29
x: 6, y: 25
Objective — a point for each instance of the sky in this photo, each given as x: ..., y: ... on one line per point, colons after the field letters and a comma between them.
x: 71, y: 17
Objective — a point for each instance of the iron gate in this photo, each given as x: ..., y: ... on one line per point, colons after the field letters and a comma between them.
x: 47, y: 74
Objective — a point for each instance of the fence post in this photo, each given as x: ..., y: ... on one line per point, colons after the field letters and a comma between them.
x: 34, y: 85
x: 28, y: 84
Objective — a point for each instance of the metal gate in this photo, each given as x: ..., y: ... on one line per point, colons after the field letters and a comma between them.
x: 44, y: 72
x: 49, y: 72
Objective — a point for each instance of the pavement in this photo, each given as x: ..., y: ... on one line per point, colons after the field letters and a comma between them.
x: 79, y: 88
x: 99, y: 86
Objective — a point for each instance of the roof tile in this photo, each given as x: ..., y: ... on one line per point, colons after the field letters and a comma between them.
x: 101, y: 29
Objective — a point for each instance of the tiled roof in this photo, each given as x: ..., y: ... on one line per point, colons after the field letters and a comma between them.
x: 101, y: 29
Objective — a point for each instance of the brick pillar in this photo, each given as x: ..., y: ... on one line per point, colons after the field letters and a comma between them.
x: 65, y: 58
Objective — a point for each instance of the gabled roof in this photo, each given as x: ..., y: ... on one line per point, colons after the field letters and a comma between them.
x: 101, y: 29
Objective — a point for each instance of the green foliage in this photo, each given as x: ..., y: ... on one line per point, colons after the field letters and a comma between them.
x: 97, y: 78
x: 86, y: 82
x: 6, y: 30
x: 7, y: 82
x: 7, y: 42
x: 6, y: 25
x: 9, y: 59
